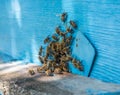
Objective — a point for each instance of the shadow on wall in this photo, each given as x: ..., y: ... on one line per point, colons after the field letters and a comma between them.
x: 5, y: 58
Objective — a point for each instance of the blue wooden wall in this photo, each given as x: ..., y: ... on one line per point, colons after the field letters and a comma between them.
x: 25, y: 23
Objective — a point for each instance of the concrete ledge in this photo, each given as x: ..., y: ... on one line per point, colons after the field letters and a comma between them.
x: 19, y: 82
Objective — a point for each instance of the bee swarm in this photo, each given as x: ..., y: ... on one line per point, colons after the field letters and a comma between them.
x: 58, y: 50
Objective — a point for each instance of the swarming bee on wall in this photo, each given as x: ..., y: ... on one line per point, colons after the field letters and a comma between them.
x: 58, y: 50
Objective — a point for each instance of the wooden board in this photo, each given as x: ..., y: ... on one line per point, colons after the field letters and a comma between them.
x: 84, y: 51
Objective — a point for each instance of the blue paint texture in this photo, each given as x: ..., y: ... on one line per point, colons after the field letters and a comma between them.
x: 24, y: 22
x: 98, y: 92
x: 84, y: 51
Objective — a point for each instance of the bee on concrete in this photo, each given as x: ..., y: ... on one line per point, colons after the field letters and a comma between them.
x: 44, y: 67
x: 40, y: 51
x: 53, y: 66
x: 47, y: 40
x: 57, y: 71
x: 49, y: 64
x: 64, y: 16
x: 31, y: 72
x: 45, y: 59
x: 48, y: 72
x: 40, y: 70
x: 65, y: 69
x: 73, y: 24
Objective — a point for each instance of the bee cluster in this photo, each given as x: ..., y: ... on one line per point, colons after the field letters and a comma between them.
x: 58, y: 50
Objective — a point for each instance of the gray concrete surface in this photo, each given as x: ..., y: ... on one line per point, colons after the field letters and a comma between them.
x: 15, y: 80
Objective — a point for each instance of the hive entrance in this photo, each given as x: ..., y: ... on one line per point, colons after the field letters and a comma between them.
x: 58, y: 53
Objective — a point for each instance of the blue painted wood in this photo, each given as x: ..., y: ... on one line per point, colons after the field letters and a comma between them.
x: 21, y: 29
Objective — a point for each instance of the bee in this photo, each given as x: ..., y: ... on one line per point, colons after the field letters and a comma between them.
x: 51, y: 43
x: 62, y: 34
x: 69, y: 58
x: 68, y: 40
x: 69, y: 30
x: 53, y: 47
x: 31, y: 72
x: 65, y: 69
x: 40, y: 51
x: 40, y: 69
x: 49, y: 64
x: 75, y: 64
x: 64, y: 16
x: 57, y: 71
x: 55, y: 38
x: 58, y: 30
x: 63, y: 43
x: 66, y: 49
x: 48, y: 72
x: 74, y: 60
x: 45, y: 59
x: 79, y: 66
x: 60, y: 46
x: 66, y: 58
x: 44, y: 67
x: 47, y: 40
x: 48, y: 51
x: 41, y: 59
x: 62, y: 59
x: 73, y: 24
x: 53, y: 66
